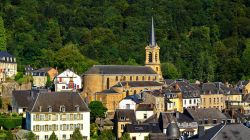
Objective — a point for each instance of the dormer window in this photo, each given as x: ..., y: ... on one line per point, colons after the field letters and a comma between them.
x: 50, y: 109
x: 40, y: 108
x: 77, y: 107
x: 62, y: 108
x: 123, y: 118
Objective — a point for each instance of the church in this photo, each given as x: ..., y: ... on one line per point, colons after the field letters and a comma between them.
x: 101, y: 78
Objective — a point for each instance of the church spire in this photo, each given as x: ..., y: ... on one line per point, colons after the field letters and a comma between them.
x: 152, y: 35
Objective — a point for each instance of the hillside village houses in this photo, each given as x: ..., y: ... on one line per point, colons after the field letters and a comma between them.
x: 8, y: 65
x: 139, y: 102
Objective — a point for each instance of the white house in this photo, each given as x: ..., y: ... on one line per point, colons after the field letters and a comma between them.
x: 8, y: 65
x: 67, y: 81
x: 58, y: 112
x: 127, y: 103
x: 144, y: 111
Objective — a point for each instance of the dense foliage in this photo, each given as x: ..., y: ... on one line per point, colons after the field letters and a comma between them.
x: 9, y: 122
x: 53, y: 136
x: 31, y: 136
x: 106, y: 135
x: 201, y: 39
x: 97, y: 110
x: 76, y: 135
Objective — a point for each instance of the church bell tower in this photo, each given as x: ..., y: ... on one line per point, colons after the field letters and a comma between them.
x: 153, y: 53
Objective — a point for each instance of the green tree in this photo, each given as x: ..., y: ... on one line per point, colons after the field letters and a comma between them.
x: 125, y: 136
x: 97, y: 110
x: 2, y: 36
x: 93, y: 130
x: 70, y: 57
x: 9, y: 135
x: 31, y: 136
x: 53, y: 136
x: 169, y: 71
x: 106, y: 135
x: 76, y: 135
x: 48, y: 82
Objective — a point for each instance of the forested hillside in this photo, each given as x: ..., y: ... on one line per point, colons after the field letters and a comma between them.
x: 199, y: 39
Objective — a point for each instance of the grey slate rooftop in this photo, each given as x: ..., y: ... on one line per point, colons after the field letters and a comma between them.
x: 69, y: 100
x: 205, y: 113
x: 42, y: 70
x: 120, y: 69
x: 139, y: 83
x: 125, y: 115
x: 225, y: 132
x: 23, y: 98
x: 145, y: 107
x: 143, y: 128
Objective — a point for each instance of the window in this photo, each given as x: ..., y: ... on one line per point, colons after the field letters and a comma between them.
x: 145, y: 116
x: 210, y: 100
x: 62, y: 108
x: 60, y: 79
x: 124, y: 78
x: 214, y: 100
x: 134, y: 91
x: 150, y: 58
x: 133, y: 138
x: 200, y: 122
x: 194, y: 101
x: 63, y: 87
x: 190, y: 101
x: 142, y: 78
x: 116, y: 78
x: 184, y: 102
x: 107, y: 83
x: 130, y: 78
x: 41, y: 117
x: 122, y: 126
x: 50, y: 109
x: 127, y: 106
x: 123, y: 118
x: 137, y: 78
x: 37, y: 137
x: 149, y: 78
x: 206, y: 121
x: 46, y: 137
x: 214, y: 121
x: 46, y: 128
x: 64, y: 137
x: 40, y: 108
x: 156, y: 68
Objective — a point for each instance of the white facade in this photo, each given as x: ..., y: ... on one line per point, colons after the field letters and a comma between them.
x: 62, y: 81
x: 138, y: 136
x: 42, y: 124
x: 127, y: 104
x: 191, y: 102
x: 143, y: 115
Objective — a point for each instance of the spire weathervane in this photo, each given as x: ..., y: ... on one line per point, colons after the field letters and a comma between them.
x: 152, y: 36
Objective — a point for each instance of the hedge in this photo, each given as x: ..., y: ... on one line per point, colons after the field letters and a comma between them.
x: 9, y: 123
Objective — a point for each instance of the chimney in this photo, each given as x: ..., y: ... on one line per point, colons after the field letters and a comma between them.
x: 177, y: 115
x: 201, y: 131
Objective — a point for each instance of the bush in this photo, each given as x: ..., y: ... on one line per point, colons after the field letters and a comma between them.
x: 9, y: 123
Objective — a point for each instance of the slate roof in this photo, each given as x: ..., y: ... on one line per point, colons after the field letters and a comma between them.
x: 136, y: 98
x: 23, y: 98
x: 107, y: 91
x: 217, y: 88
x: 183, y: 86
x: 225, y: 132
x: 152, y: 119
x: 5, y: 54
x: 205, y: 113
x: 139, y: 83
x: 120, y: 69
x: 42, y: 69
x: 55, y: 100
x: 145, y: 107
x: 128, y: 114
x: 143, y: 128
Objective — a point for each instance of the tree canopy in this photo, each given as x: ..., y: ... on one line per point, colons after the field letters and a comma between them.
x: 53, y: 136
x: 76, y: 135
x: 204, y: 39
x: 97, y: 110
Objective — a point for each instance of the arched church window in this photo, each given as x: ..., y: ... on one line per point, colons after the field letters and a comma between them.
x: 116, y: 78
x: 130, y: 78
x: 156, y: 57
x: 142, y: 78
x: 150, y: 57
x: 137, y: 78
